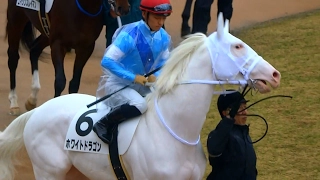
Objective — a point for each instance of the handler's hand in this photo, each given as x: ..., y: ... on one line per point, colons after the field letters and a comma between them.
x: 152, y: 78
x: 140, y: 80
x: 113, y: 14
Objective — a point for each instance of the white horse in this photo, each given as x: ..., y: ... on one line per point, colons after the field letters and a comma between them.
x: 165, y: 144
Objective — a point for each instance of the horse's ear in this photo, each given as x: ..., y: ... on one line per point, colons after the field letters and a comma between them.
x: 220, y: 26
x: 226, y: 25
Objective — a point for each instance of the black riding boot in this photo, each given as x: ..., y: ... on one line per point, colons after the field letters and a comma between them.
x: 105, y: 126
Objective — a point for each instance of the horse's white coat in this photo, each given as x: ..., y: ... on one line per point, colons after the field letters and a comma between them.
x: 154, y: 153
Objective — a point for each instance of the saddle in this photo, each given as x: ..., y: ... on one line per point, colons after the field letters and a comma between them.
x: 80, y: 137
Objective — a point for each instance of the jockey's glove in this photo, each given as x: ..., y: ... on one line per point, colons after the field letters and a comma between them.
x: 140, y: 80
x: 152, y: 78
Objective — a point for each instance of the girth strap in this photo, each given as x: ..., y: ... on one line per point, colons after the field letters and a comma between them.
x: 43, y: 17
x: 115, y: 158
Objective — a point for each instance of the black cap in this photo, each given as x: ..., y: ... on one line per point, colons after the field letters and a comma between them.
x: 226, y: 101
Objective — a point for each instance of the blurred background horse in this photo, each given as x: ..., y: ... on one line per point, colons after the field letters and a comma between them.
x: 68, y: 24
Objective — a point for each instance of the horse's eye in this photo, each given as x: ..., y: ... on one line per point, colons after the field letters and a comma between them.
x: 238, y: 46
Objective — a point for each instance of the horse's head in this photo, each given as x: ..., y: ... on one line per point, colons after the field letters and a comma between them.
x: 234, y: 60
x: 121, y: 7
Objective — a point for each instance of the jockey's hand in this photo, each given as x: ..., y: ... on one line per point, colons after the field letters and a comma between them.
x: 152, y: 78
x: 140, y: 80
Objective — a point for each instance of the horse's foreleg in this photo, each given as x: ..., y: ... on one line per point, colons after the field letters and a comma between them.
x: 82, y: 56
x: 15, y: 27
x: 58, y: 53
x: 185, y: 28
x: 13, y: 59
x: 37, y: 47
x: 186, y: 12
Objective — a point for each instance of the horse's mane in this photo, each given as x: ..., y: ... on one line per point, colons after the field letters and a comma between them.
x: 173, y: 70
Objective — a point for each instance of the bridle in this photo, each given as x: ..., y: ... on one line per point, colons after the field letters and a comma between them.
x: 244, y: 92
x: 241, y: 67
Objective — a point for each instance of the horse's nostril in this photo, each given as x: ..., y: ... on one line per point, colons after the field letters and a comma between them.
x: 276, y: 76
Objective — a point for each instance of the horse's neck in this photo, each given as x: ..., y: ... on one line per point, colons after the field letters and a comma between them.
x: 185, y: 108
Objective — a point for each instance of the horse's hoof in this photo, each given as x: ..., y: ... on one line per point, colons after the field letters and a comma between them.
x: 29, y: 106
x: 14, y: 111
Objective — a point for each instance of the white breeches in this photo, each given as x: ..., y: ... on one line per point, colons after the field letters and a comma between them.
x: 132, y: 95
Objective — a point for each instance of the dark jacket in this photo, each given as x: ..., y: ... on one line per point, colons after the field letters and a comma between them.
x: 111, y: 23
x: 231, y: 153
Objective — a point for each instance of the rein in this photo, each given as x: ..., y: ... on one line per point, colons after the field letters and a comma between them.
x: 236, y: 82
x: 266, y: 131
x: 233, y: 82
x: 244, y: 92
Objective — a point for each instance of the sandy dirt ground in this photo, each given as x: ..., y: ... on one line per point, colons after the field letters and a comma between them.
x: 246, y: 12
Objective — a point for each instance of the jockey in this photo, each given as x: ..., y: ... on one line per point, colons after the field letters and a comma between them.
x: 137, y: 49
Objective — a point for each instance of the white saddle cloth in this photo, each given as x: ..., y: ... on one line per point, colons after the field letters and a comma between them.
x: 80, y: 136
x: 34, y: 4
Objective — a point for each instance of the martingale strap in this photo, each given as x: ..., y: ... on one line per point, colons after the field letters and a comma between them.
x: 116, y: 160
x: 43, y: 17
